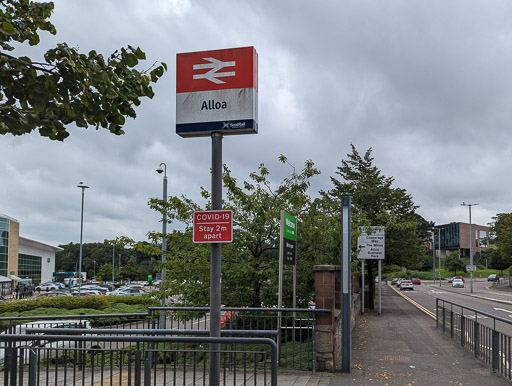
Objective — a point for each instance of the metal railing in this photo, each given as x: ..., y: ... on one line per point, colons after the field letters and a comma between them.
x: 132, y: 360
x: 295, y: 328
x: 478, y: 331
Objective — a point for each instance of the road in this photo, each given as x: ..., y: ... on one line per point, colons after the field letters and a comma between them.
x: 484, y: 298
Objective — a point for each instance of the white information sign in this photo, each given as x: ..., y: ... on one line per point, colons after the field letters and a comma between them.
x: 470, y: 268
x: 372, y: 246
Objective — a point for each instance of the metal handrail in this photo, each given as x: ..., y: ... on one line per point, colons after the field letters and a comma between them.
x: 160, y: 339
x: 506, y: 321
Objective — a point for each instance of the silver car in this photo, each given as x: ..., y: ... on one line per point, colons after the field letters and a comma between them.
x: 457, y: 283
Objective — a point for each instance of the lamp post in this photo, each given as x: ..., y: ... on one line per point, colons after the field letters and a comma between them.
x: 470, y: 244
x: 434, y: 254
x: 113, y: 264
x: 83, y: 187
x: 164, y: 221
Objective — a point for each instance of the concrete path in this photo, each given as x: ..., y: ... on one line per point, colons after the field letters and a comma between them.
x: 403, y: 347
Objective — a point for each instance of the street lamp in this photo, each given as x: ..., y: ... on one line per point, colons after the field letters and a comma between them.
x: 470, y: 245
x: 83, y: 187
x: 164, y: 221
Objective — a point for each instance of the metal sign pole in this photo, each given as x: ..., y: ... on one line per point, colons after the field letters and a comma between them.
x: 216, y: 258
x: 346, y: 276
x: 362, y: 286
x: 380, y: 286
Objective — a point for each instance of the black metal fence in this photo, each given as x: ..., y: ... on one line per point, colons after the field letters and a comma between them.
x: 169, y: 341
x: 295, y: 328
x: 132, y: 360
x: 480, y: 332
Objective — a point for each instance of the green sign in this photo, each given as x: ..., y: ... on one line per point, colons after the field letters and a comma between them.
x: 289, y: 240
x: 290, y: 227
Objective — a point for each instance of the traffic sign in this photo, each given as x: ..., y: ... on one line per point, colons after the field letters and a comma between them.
x: 213, y: 226
x: 372, y: 246
x: 470, y: 268
x: 217, y: 91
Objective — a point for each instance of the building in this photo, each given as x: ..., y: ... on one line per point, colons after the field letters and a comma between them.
x: 455, y: 237
x: 24, y: 258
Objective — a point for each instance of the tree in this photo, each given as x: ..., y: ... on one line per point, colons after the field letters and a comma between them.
x: 375, y: 202
x: 131, y: 271
x: 66, y: 87
x: 105, y: 273
x: 454, y: 263
x: 250, y: 263
x: 499, y: 260
x: 502, y: 227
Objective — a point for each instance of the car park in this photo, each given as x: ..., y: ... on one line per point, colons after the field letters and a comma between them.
x: 493, y: 277
x: 406, y: 285
x: 416, y: 281
x: 457, y: 283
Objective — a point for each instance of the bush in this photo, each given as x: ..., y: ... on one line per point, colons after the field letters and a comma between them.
x: 68, y: 305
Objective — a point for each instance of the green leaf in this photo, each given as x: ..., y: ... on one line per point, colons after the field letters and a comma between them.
x: 8, y: 28
x: 131, y: 60
x: 140, y: 54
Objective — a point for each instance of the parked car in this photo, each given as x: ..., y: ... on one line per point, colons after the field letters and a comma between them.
x: 399, y: 281
x: 406, y: 285
x: 457, y: 283
x: 416, y: 281
x: 47, y: 287
x: 48, y: 348
x: 450, y: 279
x: 127, y: 292
x: 394, y: 280
x: 493, y: 277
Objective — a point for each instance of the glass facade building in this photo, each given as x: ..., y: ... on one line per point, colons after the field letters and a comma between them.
x: 29, y: 267
x: 4, y: 245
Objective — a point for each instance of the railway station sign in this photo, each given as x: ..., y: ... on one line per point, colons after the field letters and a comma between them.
x: 217, y: 91
x: 372, y: 245
x: 213, y: 226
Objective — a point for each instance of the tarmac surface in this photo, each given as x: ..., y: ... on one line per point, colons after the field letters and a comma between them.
x: 403, y: 347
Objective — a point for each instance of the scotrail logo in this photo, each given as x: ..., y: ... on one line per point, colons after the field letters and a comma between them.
x: 232, y: 125
x: 215, y: 65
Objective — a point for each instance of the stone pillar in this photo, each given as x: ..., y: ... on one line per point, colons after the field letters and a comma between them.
x: 327, y: 296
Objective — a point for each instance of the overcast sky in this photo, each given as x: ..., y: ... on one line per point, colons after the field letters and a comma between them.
x: 426, y: 84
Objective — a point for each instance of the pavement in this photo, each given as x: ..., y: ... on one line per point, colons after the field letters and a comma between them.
x: 403, y: 347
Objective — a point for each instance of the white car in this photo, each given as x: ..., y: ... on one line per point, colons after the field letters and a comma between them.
x: 47, y: 287
x: 406, y: 285
x: 44, y: 346
x: 457, y: 283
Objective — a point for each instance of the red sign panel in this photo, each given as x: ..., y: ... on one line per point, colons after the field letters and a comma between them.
x: 217, y: 70
x: 213, y: 226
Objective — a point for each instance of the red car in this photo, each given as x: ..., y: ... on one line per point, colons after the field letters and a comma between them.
x: 455, y: 277
x: 416, y: 281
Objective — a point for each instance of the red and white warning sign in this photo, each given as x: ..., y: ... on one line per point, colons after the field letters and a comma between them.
x: 213, y: 226
x: 217, y: 91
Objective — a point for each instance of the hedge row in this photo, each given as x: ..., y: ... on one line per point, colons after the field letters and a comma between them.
x: 93, y: 303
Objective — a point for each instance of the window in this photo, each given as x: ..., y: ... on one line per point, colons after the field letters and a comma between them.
x: 4, y: 244
x: 29, y: 267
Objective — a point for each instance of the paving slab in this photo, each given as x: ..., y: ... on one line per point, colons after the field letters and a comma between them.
x: 403, y: 347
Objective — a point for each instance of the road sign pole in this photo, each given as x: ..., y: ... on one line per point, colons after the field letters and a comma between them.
x: 216, y: 258
x: 346, y: 277
x: 380, y: 287
x: 362, y: 286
